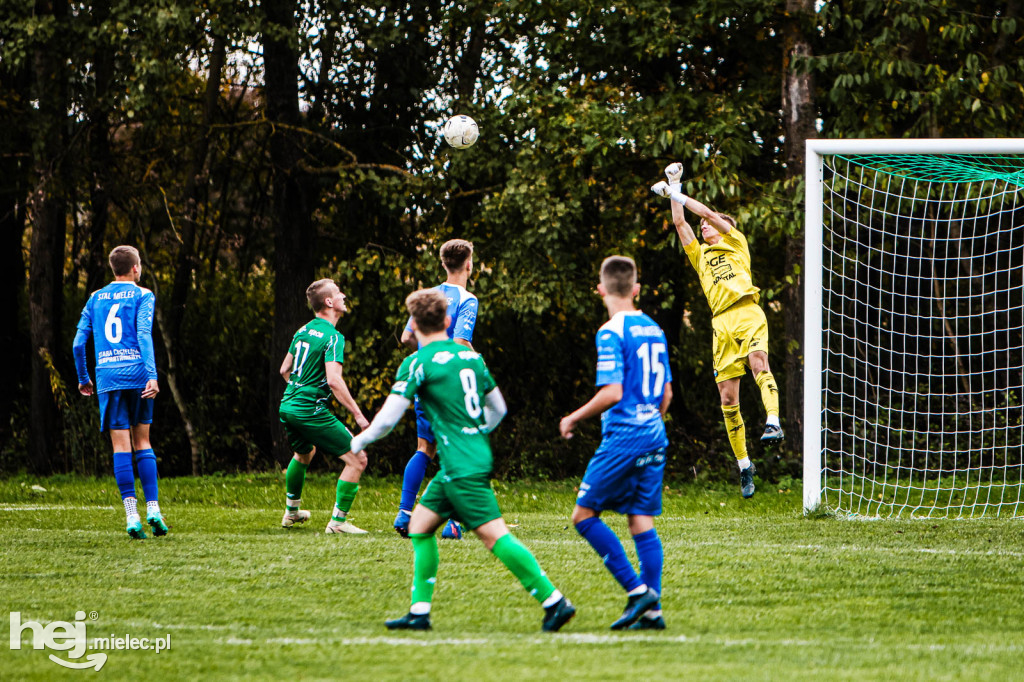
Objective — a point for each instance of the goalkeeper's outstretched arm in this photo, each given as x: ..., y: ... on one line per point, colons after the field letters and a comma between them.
x: 683, y: 229
x: 672, y: 190
x: 714, y: 219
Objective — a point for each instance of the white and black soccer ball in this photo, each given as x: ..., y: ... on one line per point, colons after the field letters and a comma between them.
x: 461, y: 131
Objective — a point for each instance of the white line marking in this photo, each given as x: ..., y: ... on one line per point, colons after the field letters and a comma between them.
x: 559, y: 639
x: 48, y: 507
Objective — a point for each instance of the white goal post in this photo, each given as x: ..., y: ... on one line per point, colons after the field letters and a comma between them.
x: 914, y: 327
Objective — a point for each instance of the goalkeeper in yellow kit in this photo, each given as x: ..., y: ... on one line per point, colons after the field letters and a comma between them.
x: 739, y: 327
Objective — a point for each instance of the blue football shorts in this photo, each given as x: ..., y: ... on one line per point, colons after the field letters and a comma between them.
x: 123, y: 409
x: 627, y: 484
x: 423, y: 429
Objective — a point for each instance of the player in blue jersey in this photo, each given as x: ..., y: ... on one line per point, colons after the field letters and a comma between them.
x: 457, y: 259
x: 625, y: 474
x: 122, y: 315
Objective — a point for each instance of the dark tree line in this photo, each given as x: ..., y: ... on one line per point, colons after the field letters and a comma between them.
x: 249, y: 150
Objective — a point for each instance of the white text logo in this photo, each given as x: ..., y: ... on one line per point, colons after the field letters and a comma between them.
x: 71, y: 637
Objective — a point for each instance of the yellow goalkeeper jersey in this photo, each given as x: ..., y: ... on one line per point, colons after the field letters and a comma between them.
x: 724, y: 270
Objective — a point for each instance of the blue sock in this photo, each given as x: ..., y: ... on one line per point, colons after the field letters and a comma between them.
x: 652, y: 558
x: 608, y: 547
x: 145, y: 460
x: 124, y: 474
x: 415, y: 472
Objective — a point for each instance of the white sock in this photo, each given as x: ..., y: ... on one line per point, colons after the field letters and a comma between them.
x: 420, y: 608
x: 131, y: 507
x: 152, y: 507
x: 291, y: 505
x: 772, y: 420
x: 553, y: 599
x: 744, y: 463
x: 638, y: 590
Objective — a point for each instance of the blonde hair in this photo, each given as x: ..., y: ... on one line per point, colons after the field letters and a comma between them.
x: 727, y: 218
x: 317, y: 293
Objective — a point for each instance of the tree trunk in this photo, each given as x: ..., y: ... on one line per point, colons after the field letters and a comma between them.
x: 14, y: 171
x: 798, y: 125
x: 292, y: 197
x: 100, y: 161
x: 170, y: 344
x: 47, y: 218
x: 195, y: 193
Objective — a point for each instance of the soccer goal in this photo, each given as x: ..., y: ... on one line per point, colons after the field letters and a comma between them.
x: 914, y: 328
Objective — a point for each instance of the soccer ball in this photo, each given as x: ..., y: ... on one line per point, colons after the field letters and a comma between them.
x: 461, y: 131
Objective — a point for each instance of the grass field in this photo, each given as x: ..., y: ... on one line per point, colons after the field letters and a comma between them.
x: 752, y: 590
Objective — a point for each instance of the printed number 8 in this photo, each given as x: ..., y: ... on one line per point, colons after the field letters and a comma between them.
x: 468, y: 378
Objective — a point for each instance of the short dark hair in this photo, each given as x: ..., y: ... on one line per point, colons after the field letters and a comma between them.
x: 455, y: 253
x: 428, y: 307
x: 122, y: 259
x: 618, y: 275
x: 316, y: 293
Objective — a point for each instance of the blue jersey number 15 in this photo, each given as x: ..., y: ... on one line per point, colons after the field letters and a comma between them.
x: 650, y: 356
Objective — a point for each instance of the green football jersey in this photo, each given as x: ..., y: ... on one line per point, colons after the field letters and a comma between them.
x: 451, y: 382
x: 316, y: 343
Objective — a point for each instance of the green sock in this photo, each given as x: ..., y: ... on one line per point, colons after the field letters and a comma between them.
x: 343, y: 502
x: 518, y: 559
x: 294, y: 479
x: 425, y: 561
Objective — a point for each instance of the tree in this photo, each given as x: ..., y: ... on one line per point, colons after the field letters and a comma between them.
x: 15, y: 152
x: 798, y: 114
x: 293, y: 197
x: 47, y: 215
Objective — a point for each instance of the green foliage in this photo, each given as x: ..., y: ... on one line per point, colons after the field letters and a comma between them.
x: 580, y: 107
x: 921, y: 69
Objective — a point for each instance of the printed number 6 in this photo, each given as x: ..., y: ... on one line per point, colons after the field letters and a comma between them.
x: 112, y: 327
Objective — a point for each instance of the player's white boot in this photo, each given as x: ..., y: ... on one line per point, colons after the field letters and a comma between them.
x: 135, y: 527
x: 291, y: 518
x: 346, y: 527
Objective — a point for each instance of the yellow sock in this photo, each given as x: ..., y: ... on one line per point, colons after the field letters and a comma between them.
x: 734, y: 427
x: 769, y: 393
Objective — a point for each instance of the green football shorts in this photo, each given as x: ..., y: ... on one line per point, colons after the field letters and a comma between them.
x: 469, y: 500
x: 307, y: 428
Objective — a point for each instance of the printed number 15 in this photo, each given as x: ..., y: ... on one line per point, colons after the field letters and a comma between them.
x: 650, y: 355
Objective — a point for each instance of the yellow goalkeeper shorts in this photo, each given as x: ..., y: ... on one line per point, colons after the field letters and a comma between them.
x: 738, y: 331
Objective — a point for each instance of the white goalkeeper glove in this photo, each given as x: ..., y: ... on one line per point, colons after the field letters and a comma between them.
x: 674, y: 173
x: 663, y: 189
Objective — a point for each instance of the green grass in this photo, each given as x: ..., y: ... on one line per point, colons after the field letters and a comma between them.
x: 752, y: 590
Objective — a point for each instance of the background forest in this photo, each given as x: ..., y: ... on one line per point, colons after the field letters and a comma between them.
x: 248, y: 148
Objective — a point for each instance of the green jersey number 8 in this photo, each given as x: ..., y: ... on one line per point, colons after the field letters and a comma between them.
x: 468, y: 378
